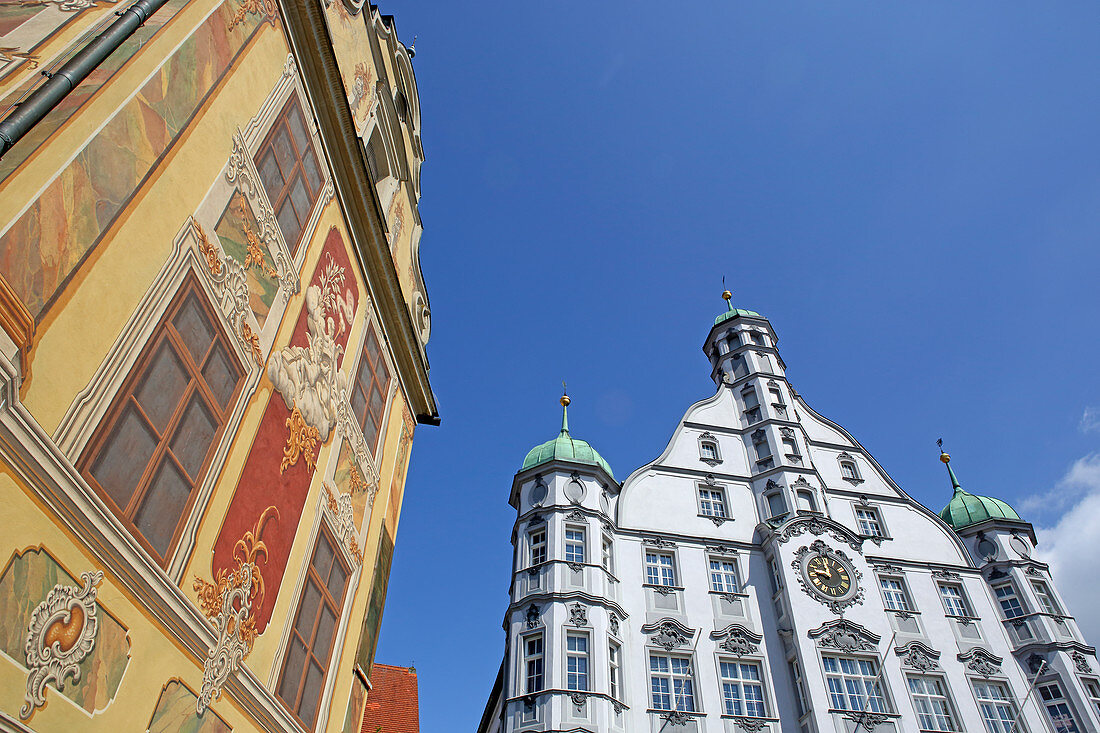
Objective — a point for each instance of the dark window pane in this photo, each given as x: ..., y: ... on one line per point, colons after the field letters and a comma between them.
x: 195, y: 328
x: 194, y: 435
x: 270, y: 175
x: 372, y: 347
x: 358, y: 404
x: 377, y: 403
x: 124, y: 456
x: 322, y: 557
x: 160, y: 389
x: 312, y: 694
x: 324, y: 634
x: 284, y: 151
x: 300, y: 196
x: 336, y: 580
x: 162, y: 506
x: 292, y: 672
x: 307, y: 612
x: 288, y: 221
x: 313, y: 172
x: 298, y: 129
x: 221, y: 375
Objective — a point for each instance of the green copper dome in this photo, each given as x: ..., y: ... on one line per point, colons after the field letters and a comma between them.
x: 966, y: 509
x: 565, y: 448
x: 733, y: 312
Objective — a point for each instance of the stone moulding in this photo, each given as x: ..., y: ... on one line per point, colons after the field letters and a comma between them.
x: 982, y: 661
x: 738, y: 640
x: 845, y: 636
x: 668, y: 633
x: 62, y: 633
x: 919, y: 656
x: 818, y: 525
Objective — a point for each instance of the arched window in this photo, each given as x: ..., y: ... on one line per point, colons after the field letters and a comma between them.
x: 777, y: 505
x: 849, y: 471
x: 806, y: 501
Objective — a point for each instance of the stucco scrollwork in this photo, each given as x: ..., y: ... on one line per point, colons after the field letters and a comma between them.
x: 845, y: 636
x: 343, y: 515
x: 1081, y: 662
x: 658, y: 542
x: 668, y: 633
x: 532, y: 616
x: 818, y: 525
x: 575, y: 516
x: 613, y: 624
x: 918, y: 656
x: 722, y: 549
x: 736, y: 639
x: 752, y: 725
x: 578, y: 615
x: 62, y: 632
x: 867, y: 720
x: 1034, y: 571
x: 885, y: 567
x: 945, y: 574
x: 981, y: 661
x: 676, y: 717
x: 578, y: 698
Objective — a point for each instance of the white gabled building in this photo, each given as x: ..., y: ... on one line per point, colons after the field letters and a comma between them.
x: 766, y: 574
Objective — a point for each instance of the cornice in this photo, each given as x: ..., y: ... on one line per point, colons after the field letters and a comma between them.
x: 309, y: 38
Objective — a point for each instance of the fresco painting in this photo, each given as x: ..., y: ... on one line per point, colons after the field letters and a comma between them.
x: 26, y: 581
x: 175, y: 713
x: 237, y: 230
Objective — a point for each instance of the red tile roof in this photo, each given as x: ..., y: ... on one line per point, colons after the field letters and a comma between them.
x: 392, y: 705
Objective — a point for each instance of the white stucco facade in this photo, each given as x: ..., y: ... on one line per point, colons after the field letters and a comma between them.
x: 698, y: 573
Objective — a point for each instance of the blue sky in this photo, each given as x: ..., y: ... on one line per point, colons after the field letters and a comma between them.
x: 910, y: 192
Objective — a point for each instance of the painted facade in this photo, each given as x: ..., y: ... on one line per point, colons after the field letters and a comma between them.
x: 212, y: 364
x: 764, y: 573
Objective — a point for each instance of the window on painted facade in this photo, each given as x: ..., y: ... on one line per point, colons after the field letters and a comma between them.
x: 954, y: 600
x: 533, y: 661
x: 723, y: 576
x: 934, y: 710
x: 1092, y: 687
x: 869, y: 523
x: 607, y: 557
x: 671, y: 683
x: 1061, y: 717
x: 894, y: 593
x: 790, y: 449
x: 156, y: 441
x: 708, y: 450
x: 1046, y: 598
x: 854, y: 684
x: 309, y: 649
x: 805, y: 500
x: 777, y: 505
x: 712, y: 502
x: 659, y: 569
x: 614, y: 669
x: 742, y: 689
x: 289, y: 172
x: 997, y: 707
x: 576, y: 661
x: 848, y: 470
x: 1009, y: 601
x: 574, y: 544
x: 536, y: 543
x: 368, y: 393
x: 752, y: 406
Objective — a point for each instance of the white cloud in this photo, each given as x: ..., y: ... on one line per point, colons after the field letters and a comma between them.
x: 1082, y: 479
x: 1090, y: 420
x: 1071, y: 543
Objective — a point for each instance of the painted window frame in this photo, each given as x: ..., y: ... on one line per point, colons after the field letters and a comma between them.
x: 807, y: 493
x: 895, y: 598
x: 571, y: 543
x: 852, y: 475
x: 719, y: 578
x: 876, y: 519
x: 1092, y: 691
x: 527, y: 675
x: 1013, y: 595
x: 867, y: 702
x: 752, y: 412
x: 1047, y: 600
x: 607, y: 553
x: 372, y: 330
x: 961, y: 599
x: 615, y: 670
x: 537, y: 550
x: 1051, y: 701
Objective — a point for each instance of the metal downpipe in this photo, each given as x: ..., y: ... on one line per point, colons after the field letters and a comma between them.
x: 31, y: 110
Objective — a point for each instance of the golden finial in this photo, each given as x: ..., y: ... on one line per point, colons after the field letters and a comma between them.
x: 564, y: 396
x: 726, y: 294
x: 943, y: 454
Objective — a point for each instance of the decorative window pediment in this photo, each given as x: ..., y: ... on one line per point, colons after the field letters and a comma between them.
x: 668, y: 633
x: 737, y: 640
x: 845, y: 636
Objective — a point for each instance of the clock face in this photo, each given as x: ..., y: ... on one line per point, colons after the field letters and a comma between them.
x: 829, y: 576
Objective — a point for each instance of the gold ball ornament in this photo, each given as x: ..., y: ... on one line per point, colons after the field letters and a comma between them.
x: 944, y: 457
x: 564, y: 400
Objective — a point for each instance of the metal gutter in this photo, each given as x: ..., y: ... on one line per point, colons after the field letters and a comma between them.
x: 58, y: 84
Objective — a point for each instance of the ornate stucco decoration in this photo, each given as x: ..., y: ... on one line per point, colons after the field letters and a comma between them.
x: 676, y: 717
x: 845, y: 636
x: 981, y: 661
x: 253, y: 7
x: 668, y: 633
x: 578, y: 698
x: 532, y: 616
x: 752, y: 725
x: 578, y: 615
x: 722, y: 549
x: 737, y: 640
x: 945, y: 574
x: 228, y: 603
x: 1034, y: 571
x: 1081, y: 662
x: 867, y: 720
x: 343, y: 516
x: 918, y: 656
x: 801, y: 482
x: 885, y: 567
x: 658, y: 542
x: 576, y: 567
x: 818, y: 525
x: 61, y: 634
x: 709, y: 436
x: 836, y: 605
x: 301, y: 442
x: 575, y: 516
x: 613, y: 624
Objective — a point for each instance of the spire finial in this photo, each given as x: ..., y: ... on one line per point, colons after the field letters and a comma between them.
x: 947, y: 462
x: 726, y: 294
x: 564, y: 408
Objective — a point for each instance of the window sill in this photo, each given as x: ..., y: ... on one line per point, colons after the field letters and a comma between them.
x: 718, y: 521
x: 663, y: 589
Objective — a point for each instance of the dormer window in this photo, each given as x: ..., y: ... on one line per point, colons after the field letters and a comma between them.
x: 708, y: 450
x: 848, y: 469
x: 805, y: 500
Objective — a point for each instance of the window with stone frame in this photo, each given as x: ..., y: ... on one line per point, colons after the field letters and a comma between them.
x: 1092, y: 687
x: 752, y: 405
x: 805, y: 500
x: 533, y: 663
x: 848, y: 470
x: 155, y: 442
x: 955, y: 602
x: 870, y: 524
x: 742, y: 688
x: 854, y: 684
x: 313, y: 634
x: 997, y: 706
x: 576, y: 660
x: 712, y: 502
x: 723, y: 575
x: 894, y: 593
x: 289, y: 171
x: 708, y: 451
x: 369, y: 390
x: 614, y: 670
x: 575, y: 544
x: 1046, y: 598
x: 671, y: 682
x: 660, y: 568
x: 935, y: 713
x: 1008, y: 600
x: 536, y: 546
x: 1057, y: 707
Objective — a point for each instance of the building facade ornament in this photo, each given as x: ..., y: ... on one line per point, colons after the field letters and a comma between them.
x: 919, y: 656
x: 845, y: 636
x: 1081, y: 662
x: 944, y: 574
x: 854, y: 595
x: 575, y: 516
x: 532, y: 616
x: 676, y: 717
x: 668, y: 633
x: 658, y: 542
x: 818, y: 525
x: 737, y: 640
x: 578, y: 615
x: 62, y: 632
x: 981, y: 661
x: 752, y: 725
